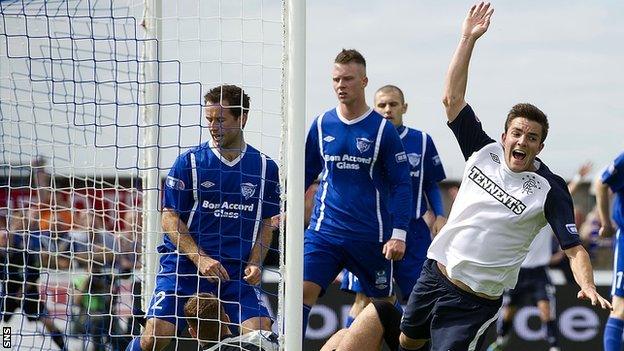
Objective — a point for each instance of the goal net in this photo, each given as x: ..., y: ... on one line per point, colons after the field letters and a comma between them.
x: 97, y: 100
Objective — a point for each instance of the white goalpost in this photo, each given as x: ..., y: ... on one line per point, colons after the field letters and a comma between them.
x: 97, y: 99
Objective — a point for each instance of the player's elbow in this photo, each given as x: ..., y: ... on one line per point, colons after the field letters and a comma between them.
x: 452, y: 101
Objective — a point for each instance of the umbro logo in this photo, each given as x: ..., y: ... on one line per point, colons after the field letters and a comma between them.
x: 495, y: 158
x: 329, y: 138
x: 207, y: 184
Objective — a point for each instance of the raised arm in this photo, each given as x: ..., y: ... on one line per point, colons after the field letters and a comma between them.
x: 476, y: 23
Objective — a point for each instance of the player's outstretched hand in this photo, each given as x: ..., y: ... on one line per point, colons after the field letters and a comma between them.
x: 596, y: 300
x: 394, y: 249
x: 253, y: 274
x: 212, y: 269
x: 477, y: 21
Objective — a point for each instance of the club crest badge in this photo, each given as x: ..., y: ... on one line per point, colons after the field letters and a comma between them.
x: 530, y: 184
x: 414, y: 159
x: 248, y: 190
x: 362, y: 144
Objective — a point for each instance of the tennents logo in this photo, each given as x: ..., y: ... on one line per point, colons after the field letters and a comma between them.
x: 493, y: 189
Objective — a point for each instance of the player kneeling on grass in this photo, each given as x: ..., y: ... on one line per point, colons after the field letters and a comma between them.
x: 506, y: 197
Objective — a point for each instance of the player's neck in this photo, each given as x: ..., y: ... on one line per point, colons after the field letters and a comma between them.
x: 353, y: 110
x: 231, y: 151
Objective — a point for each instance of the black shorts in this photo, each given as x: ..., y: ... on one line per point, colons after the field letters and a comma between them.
x: 390, y: 319
x: 533, y: 285
x: 452, y: 318
x: 31, y: 304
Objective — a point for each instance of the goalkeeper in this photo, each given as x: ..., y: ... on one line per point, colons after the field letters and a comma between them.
x: 217, y: 206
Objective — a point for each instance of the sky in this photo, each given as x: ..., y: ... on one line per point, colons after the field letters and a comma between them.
x: 562, y: 56
x: 566, y: 57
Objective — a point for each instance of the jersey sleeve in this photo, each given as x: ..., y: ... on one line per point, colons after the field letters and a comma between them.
x: 400, y: 186
x: 434, y: 171
x: 178, y: 189
x: 469, y: 132
x: 313, y: 157
x: 613, y: 176
x: 271, y: 200
x: 559, y: 212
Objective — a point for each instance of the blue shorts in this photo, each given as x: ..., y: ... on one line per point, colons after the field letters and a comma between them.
x: 617, y: 286
x: 407, y: 270
x: 325, y: 256
x: 533, y: 285
x: 452, y: 318
x: 240, y: 300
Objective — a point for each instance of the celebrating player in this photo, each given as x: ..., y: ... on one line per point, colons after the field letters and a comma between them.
x: 613, y: 178
x: 218, y: 202
x: 507, y: 195
x: 363, y: 200
x: 425, y: 172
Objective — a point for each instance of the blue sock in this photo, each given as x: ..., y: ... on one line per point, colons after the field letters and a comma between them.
x: 349, y: 321
x: 135, y: 345
x: 613, y: 334
x: 306, y: 315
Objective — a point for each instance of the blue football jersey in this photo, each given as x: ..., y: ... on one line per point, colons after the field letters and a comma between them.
x: 613, y: 176
x: 425, y: 165
x: 365, y: 189
x: 222, y: 202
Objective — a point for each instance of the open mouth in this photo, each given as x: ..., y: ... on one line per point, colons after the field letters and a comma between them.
x: 518, y: 155
x: 342, y: 95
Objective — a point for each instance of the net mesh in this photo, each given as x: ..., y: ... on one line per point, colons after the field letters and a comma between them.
x: 82, y: 86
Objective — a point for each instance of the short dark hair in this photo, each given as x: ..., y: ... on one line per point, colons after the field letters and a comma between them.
x: 529, y: 112
x: 350, y: 55
x: 236, y: 98
x: 203, y: 315
x: 390, y: 87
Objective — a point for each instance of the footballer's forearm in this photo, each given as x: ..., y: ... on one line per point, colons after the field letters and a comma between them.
x: 602, y: 202
x: 262, y: 244
x: 581, y: 266
x: 457, y: 78
x: 178, y: 232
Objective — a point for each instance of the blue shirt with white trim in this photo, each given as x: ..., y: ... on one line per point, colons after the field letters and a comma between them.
x: 365, y: 188
x: 613, y: 176
x: 222, y: 202
x: 426, y: 169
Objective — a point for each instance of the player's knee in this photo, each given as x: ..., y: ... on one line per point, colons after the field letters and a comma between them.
x: 411, y: 344
x: 311, y: 291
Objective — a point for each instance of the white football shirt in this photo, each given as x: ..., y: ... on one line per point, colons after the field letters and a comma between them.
x: 498, y: 213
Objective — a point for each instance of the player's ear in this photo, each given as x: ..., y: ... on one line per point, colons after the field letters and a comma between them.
x: 364, y: 82
x: 404, y: 107
x: 503, y: 136
x: 541, y: 147
x: 243, y: 120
